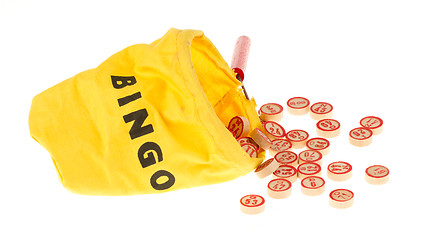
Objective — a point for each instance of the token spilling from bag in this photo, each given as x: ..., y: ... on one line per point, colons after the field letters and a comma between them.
x: 286, y: 166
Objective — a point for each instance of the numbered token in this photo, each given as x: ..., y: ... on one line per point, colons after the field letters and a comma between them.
x: 279, y: 188
x: 312, y: 156
x: 266, y: 168
x: 373, y: 123
x: 287, y: 158
x: 279, y: 145
x: 308, y: 169
x: 243, y: 140
x: 298, y: 138
x: 273, y: 130
x: 321, y: 110
x: 250, y: 149
x: 239, y: 126
x: 261, y: 139
x: 313, y: 185
x: 377, y: 174
x: 298, y: 106
x: 319, y: 144
x: 361, y: 137
x: 271, y: 112
x: 286, y: 172
x: 252, y: 204
x: 341, y: 198
x: 339, y: 171
x: 328, y: 128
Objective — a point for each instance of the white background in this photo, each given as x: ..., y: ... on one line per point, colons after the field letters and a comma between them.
x: 364, y: 57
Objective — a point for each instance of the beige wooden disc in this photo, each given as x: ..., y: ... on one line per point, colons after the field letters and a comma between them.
x: 313, y: 186
x: 261, y: 139
x: 373, y: 123
x: 271, y: 112
x: 377, y: 174
x: 320, y: 144
x: 273, y: 130
x: 321, y: 110
x: 279, y: 145
x: 339, y: 171
x: 328, y: 128
x: 308, y: 169
x: 341, y: 198
x: 287, y: 158
x: 266, y: 168
x: 298, y: 106
x: 361, y: 137
x: 239, y: 126
x: 279, y: 188
x: 286, y: 172
x: 252, y: 204
x: 298, y: 138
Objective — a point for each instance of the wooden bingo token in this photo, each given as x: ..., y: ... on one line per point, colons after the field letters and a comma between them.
x: 308, y: 170
x: 279, y: 145
x: 328, y: 128
x: 261, y: 139
x: 341, y: 198
x: 298, y: 138
x: 271, y: 112
x: 339, y: 171
x: 321, y: 110
x: 377, y: 174
x: 252, y: 204
x: 312, y: 156
x: 266, y: 168
x: 273, y: 130
x: 287, y: 172
x: 279, y: 188
x: 250, y: 149
x: 313, y: 186
x: 298, y: 106
x: 243, y: 140
x: 373, y: 123
x: 319, y: 144
x: 361, y: 137
x: 239, y: 126
x: 287, y: 158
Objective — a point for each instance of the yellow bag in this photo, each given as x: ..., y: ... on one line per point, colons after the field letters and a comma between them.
x: 149, y: 119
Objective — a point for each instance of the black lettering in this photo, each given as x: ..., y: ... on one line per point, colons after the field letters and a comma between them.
x: 139, y: 118
x: 162, y: 173
x: 125, y: 100
x: 150, y: 159
x: 122, y: 81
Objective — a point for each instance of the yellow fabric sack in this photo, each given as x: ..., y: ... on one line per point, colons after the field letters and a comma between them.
x: 151, y: 118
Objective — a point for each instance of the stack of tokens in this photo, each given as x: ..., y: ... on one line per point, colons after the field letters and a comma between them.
x: 286, y: 166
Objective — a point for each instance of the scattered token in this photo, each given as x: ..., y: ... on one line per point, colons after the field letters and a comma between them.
x: 312, y: 186
x: 328, y: 128
x: 266, y: 168
x: 298, y: 106
x: 319, y: 144
x: 279, y: 145
x: 286, y: 172
x: 243, y: 140
x: 250, y: 149
x: 239, y: 126
x: 261, y: 139
x: 339, y: 171
x: 377, y: 174
x: 273, y: 130
x: 361, y: 137
x: 279, y: 188
x: 312, y: 156
x: 373, y: 123
x: 252, y: 204
x: 287, y: 158
x: 321, y: 110
x: 298, y: 138
x: 271, y: 112
x: 308, y: 170
x: 341, y: 198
